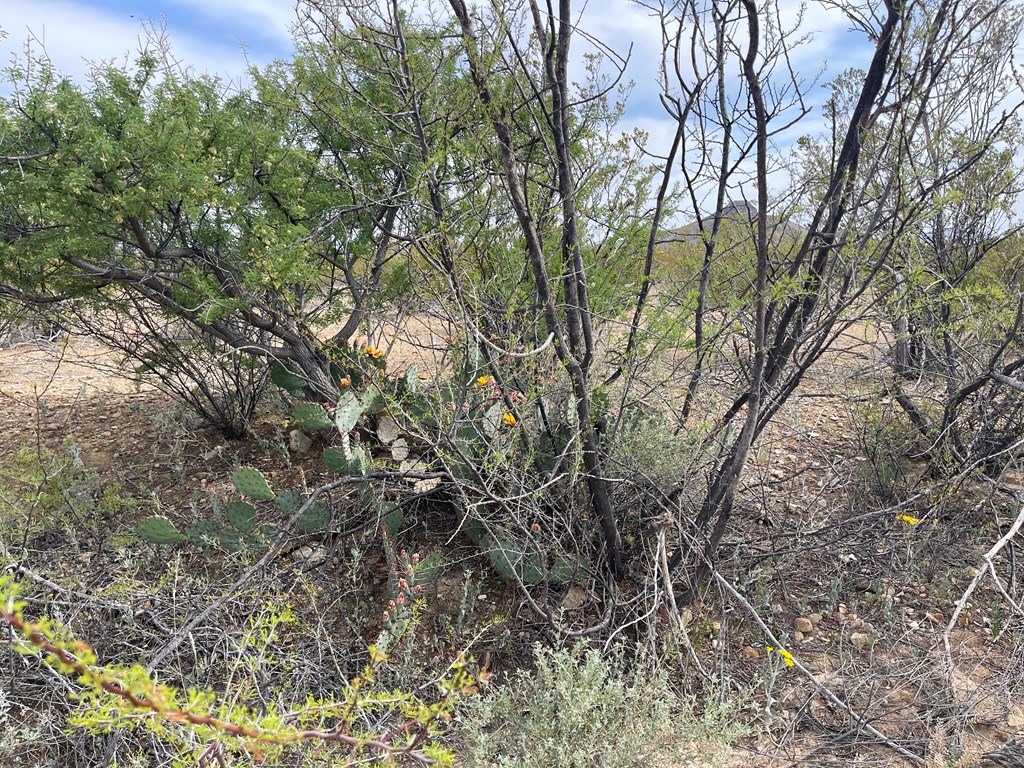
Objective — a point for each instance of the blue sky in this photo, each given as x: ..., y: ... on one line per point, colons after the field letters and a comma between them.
x: 223, y: 36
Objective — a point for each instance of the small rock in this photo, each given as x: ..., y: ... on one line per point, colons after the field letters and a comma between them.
x: 308, y: 555
x: 860, y: 640
x: 815, y: 618
x: 798, y: 636
x: 573, y: 598
x: 750, y: 653
x: 803, y: 625
x: 935, y: 617
x: 299, y: 442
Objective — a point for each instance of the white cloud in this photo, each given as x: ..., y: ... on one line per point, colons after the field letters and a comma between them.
x: 271, y: 18
x: 74, y: 33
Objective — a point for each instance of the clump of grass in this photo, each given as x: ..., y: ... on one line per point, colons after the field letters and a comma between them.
x: 578, y: 709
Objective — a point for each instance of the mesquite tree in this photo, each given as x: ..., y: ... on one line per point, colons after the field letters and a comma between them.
x: 859, y: 200
x: 222, y: 212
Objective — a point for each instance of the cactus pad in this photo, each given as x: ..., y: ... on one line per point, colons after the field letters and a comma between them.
x: 392, y: 516
x: 357, y: 463
x: 251, y: 482
x: 159, y: 530
x: 289, y: 502
x: 347, y: 412
x: 314, y: 519
x: 230, y: 540
x: 311, y: 416
x: 202, y: 533
x: 287, y: 380
x: 241, y: 515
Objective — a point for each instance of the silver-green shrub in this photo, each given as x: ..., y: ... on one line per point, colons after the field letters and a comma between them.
x: 578, y: 709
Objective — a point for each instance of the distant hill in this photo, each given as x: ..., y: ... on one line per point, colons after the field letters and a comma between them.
x: 743, y: 214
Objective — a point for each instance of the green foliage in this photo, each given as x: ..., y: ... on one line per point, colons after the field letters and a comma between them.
x: 886, y: 439
x: 44, y: 490
x: 578, y: 710
x: 116, y: 697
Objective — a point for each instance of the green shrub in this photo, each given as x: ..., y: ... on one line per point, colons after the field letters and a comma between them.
x: 43, y: 490
x: 887, y: 440
x: 579, y: 710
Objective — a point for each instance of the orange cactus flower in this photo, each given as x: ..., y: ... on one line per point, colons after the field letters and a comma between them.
x: 372, y: 351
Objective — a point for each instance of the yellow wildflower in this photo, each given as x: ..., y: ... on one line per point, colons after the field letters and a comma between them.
x: 509, y: 419
x: 911, y: 521
x: 786, y: 655
x: 372, y: 351
x: 485, y: 381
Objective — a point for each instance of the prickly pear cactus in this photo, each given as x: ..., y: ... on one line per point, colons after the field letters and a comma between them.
x: 504, y: 557
x: 314, y: 519
x: 285, y: 379
x: 160, y: 531
x: 566, y: 570
x: 312, y: 416
x: 241, y: 515
x: 288, y: 502
x: 202, y: 533
x: 391, y: 516
x: 230, y: 540
x: 347, y: 412
x: 251, y: 482
x: 354, y: 462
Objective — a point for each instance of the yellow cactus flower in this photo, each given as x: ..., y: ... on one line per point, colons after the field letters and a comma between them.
x: 509, y: 419
x: 372, y: 351
x: 485, y: 381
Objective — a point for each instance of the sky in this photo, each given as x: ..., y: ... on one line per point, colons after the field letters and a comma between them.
x: 223, y: 37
